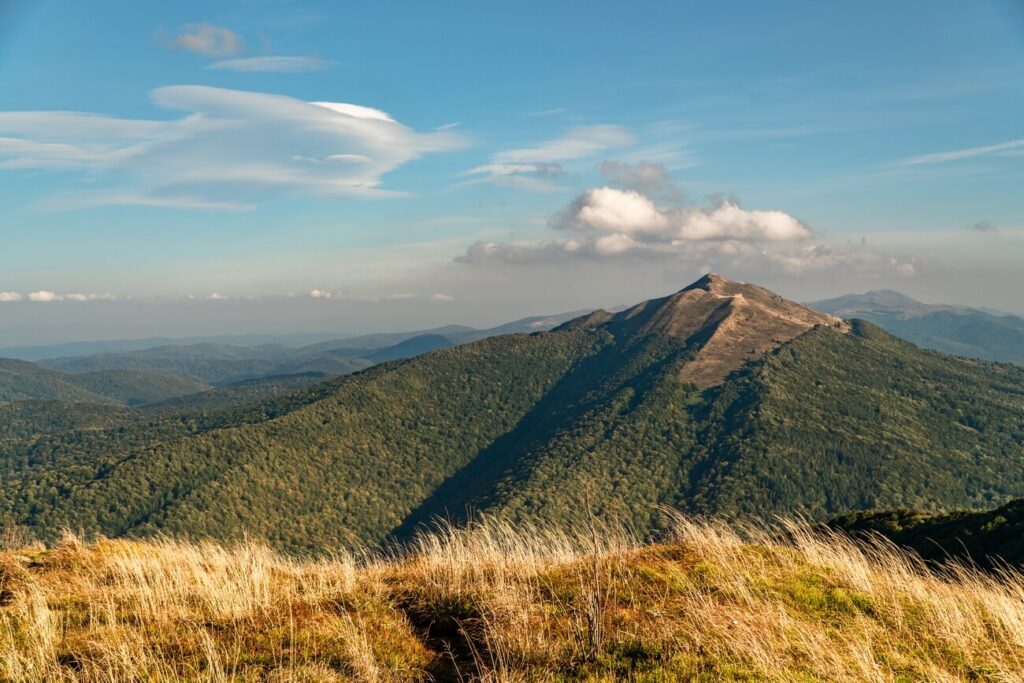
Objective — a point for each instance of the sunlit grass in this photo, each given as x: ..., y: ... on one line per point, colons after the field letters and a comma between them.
x: 503, y: 603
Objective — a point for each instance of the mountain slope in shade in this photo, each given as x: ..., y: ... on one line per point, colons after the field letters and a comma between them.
x: 409, y: 348
x: 723, y: 398
x: 987, y: 538
x: 951, y: 329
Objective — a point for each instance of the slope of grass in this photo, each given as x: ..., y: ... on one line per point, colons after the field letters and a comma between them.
x: 493, y: 602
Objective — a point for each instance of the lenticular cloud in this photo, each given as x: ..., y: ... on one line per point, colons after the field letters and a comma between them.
x: 228, y: 151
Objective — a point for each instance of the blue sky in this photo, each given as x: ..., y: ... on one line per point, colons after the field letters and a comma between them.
x: 478, y: 162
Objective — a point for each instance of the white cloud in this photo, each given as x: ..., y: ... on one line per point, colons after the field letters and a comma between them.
x: 278, y: 64
x: 607, y: 224
x: 228, y: 151
x: 208, y: 40
x: 535, y: 168
x: 319, y: 294
x: 955, y: 155
x: 45, y: 296
x: 607, y: 209
x: 441, y: 297
x: 216, y: 297
x: 851, y: 257
x: 578, y: 143
x: 538, y: 177
x: 547, y: 112
x: 77, y: 296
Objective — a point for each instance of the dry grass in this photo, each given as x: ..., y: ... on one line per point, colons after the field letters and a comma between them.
x: 497, y: 603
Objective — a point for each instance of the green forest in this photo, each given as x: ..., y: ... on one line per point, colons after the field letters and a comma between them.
x: 582, y: 420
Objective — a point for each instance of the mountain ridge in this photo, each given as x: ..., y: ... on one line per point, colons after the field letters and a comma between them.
x: 838, y: 417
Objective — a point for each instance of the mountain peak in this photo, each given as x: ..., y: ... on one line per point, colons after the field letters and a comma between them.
x: 708, y: 282
x: 726, y: 322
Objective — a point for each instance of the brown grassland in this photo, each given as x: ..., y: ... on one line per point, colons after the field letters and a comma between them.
x: 496, y: 603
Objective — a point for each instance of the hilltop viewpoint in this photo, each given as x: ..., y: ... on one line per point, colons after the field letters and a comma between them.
x: 495, y: 602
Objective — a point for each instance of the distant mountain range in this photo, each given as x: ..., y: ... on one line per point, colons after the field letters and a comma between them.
x: 21, y: 381
x: 221, y: 364
x: 722, y: 398
x: 971, y: 332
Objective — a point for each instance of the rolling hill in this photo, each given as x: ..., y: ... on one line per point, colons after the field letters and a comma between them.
x: 959, y: 330
x: 722, y: 398
x: 24, y: 381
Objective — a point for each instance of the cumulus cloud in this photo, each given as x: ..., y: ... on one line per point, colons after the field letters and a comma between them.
x: 227, y: 151
x: 44, y: 296
x: 605, y: 209
x: 611, y: 224
x: 628, y: 212
x: 278, y: 64
x: 6, y: 297
x: 214, y: 296
x: 319, y: 294
x: 208, y: 40
x: 441, y: 297
x: 534, y: 168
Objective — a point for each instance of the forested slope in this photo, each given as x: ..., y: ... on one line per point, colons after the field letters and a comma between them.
x: 610, y: 414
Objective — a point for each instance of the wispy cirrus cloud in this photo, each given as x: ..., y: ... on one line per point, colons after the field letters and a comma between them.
x: 1008, y: 147
x: 536, y: 168
x: 272, y: 63
x: 208, y: 40
x: 230, y: 150
x: 548, y: 112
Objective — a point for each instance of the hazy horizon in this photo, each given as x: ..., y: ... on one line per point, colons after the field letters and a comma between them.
x: 271, y: 167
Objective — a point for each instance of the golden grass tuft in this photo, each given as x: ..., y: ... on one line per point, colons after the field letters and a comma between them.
x: 494, y: 602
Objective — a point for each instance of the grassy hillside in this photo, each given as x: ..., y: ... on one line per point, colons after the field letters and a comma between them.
x: 987, y: 538
x: 497, y: 603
